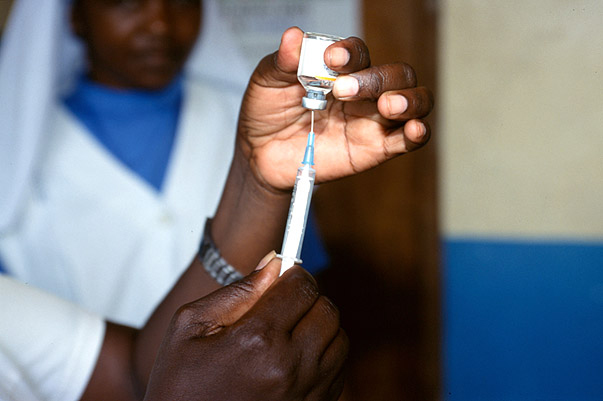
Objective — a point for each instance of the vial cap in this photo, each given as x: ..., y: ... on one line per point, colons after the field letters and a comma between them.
x: 314, y: 104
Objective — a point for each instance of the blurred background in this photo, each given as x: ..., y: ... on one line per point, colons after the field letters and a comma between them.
x: 521, y: 198
x: 473, y: 268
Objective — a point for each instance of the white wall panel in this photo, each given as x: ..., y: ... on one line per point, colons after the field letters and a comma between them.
x: 259, y: 24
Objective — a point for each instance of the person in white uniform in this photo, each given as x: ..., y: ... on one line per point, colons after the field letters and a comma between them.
x: 115, y: 172
x: 78, y: 222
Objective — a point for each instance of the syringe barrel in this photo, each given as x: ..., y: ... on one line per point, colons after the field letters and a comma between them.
x: 298, y: 212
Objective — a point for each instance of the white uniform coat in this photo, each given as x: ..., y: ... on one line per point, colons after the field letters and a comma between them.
x: 95, y: 233
x: 48, y: 347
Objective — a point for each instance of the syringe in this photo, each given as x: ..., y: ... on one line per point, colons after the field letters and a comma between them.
x: 300, y: 205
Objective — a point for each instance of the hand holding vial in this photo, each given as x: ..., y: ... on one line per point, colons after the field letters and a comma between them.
x: 373, y: 114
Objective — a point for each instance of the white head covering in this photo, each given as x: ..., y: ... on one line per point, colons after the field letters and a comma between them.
x: 39, y: 61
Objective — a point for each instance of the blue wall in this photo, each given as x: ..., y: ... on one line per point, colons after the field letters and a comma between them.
x: 523, y: 320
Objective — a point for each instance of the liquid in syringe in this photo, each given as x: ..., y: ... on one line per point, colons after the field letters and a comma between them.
x: 299, y: 208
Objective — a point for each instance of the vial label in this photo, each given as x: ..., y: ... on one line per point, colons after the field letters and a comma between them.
x: 314, y: 75
x: 312, y: 56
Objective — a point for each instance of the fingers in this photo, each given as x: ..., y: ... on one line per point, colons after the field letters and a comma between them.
x: 316, y: 337
x: 371, y: 83
x: 225, y: 306
x: 406, y: 104
x: 279, y: 69
x: 345, y: 56
x: 411, y: 136
x: 331, y: 359
x: 325, y: 346
x: 331, y: 369
x: 348, y: 55
x: 289, y: 49
x: 332, y: 365
x: 286, y: 302
x: 359, y: 81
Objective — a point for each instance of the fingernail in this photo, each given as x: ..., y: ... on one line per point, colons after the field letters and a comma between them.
x: 346, y: 86
x: 338, y: 57
x: 397, y: 104
x: 422, y: 130
x: 265, y: 260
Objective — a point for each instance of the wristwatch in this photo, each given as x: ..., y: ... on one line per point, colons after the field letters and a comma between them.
x: 213, y: 262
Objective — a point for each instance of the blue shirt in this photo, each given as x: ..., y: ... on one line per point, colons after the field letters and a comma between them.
x: 138, y: 127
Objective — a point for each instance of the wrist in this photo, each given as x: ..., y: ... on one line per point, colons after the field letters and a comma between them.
x: 213, y: 262
x: 250, y: 218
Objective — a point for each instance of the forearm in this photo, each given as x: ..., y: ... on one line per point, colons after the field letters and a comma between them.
x: 250, y: 219
x: 113, y: 378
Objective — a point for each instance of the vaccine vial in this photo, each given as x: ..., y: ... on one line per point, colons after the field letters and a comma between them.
x: 313, y: 73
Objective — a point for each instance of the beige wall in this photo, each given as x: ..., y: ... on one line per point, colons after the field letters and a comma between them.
x: 521, y: 133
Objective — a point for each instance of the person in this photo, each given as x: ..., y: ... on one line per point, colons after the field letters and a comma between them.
x: 375, y: 114
x: 121, y: 158
x: 249, y: 348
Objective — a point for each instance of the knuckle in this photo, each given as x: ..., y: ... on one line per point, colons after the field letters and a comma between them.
x: 361, y: 51
x: 241, y: 288
x: 257, y: 338
x: 305, y: 285
x: 422, y: 103
x: 185, y: 316
x: 329, y: 309
x: 308, y: 292
x: 416, y: 103
x: 232, y: 294
x: 192, y: 320
x: 376, y: 83
x: 188, y: 321
x: 279, y: 372
x: 261, y: 345
x: 410, y: 75
x: 429, y: 98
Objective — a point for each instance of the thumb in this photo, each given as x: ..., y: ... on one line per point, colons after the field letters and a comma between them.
x: 225, y: 306
x: 279, y: 69
x: 289, y: 50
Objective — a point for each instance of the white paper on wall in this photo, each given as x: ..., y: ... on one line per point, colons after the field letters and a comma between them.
x: 259, y: 24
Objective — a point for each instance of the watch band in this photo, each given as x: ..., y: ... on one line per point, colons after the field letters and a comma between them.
x: 213, y: 262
